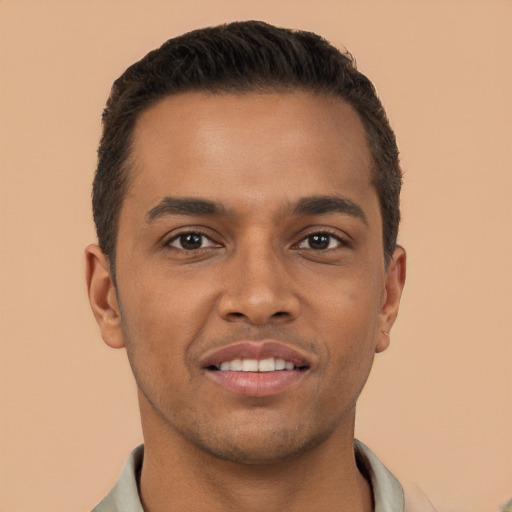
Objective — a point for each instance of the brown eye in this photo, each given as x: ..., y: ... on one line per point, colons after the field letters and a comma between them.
x: 191, y: 241
x: 320, y: 242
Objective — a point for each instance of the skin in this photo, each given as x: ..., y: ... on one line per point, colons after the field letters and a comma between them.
x: 257, y: 275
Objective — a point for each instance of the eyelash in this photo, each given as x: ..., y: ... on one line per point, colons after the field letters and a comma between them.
x: 196, y: 232
x: 326, y: 233
x: 203, y: 236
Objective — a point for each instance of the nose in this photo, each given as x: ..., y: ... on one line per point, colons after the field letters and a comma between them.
x: 257, y: 290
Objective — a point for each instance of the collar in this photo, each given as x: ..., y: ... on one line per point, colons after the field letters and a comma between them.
x: 388, y: 495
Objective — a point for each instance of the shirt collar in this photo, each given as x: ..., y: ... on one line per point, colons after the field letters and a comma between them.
x: 124, y: 496
x: 388, y: 495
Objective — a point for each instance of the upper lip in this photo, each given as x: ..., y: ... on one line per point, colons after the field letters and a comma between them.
x: 257, y: 350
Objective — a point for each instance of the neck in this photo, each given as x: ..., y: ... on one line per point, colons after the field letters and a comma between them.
x: 177, y: 475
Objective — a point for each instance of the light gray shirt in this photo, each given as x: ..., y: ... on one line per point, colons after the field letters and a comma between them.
x: 387, y: 491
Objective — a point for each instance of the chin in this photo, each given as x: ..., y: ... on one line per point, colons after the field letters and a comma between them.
x: 262, y: 447
x: 255, y: 455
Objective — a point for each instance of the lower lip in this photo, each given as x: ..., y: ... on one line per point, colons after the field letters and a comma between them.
x: 256, y: 383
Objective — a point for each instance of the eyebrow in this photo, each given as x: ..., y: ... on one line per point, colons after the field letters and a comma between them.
x: 321, y: 205
x: 314, y: 205
x: 184, y: 206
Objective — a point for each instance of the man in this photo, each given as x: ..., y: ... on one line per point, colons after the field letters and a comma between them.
x: 247, y: 207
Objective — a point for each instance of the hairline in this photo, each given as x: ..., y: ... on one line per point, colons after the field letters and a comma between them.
x: 127, y: 165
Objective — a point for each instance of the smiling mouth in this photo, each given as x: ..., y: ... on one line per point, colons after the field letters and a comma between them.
x: 270, y: 364
x: 257, y: 369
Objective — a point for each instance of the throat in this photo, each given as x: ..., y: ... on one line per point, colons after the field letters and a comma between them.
x: 289, y: 486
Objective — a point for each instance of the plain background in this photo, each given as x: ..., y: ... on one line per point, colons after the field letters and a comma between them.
x: 437, y: 408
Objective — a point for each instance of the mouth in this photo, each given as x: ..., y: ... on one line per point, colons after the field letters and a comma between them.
x: 270, y: 364
x: 257, y: 368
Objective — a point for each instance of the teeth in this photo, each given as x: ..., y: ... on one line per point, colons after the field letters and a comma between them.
x: 250, y: 365
x: 235, y: 365
x: 267, y: 365
x: 254, y: 365
x: 280, y: 364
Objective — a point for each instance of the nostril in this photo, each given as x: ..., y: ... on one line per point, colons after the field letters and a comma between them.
x: 281, y: 313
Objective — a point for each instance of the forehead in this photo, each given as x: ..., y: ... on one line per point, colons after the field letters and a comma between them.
x: 250, y: 148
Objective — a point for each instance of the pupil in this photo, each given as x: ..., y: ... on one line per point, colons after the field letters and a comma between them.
x: 191, y: 241
x: 319, y: 241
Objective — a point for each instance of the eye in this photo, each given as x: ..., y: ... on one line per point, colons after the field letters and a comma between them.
x: 320, y: 242
x: 191, y: 241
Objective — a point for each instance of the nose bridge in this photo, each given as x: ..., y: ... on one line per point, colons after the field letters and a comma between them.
x: 256, y: 287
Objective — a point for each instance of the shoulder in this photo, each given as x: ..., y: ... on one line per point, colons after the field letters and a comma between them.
x: 124, y: 496
x: 388, y: 493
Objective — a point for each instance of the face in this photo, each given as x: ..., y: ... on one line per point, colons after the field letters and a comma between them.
x: 252, y: 292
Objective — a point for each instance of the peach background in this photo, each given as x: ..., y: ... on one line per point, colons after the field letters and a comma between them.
x: 437, y: 408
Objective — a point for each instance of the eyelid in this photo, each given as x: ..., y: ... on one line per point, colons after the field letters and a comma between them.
x: 186, y: 230
x: 341, y: 237
x: 211, y: 243
x: 338, y: 242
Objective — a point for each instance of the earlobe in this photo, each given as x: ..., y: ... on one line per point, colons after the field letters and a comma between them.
x: 102, y: 296
x: 392, y: 292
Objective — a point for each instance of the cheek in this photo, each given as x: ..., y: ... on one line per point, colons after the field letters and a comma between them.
x: 352, y: 308
x: 351, y: 324
x: 159, y: 306
x: 154, y: 331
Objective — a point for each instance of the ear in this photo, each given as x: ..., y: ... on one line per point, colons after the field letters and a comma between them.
x: 393, y: 287
x: 102, y: 296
